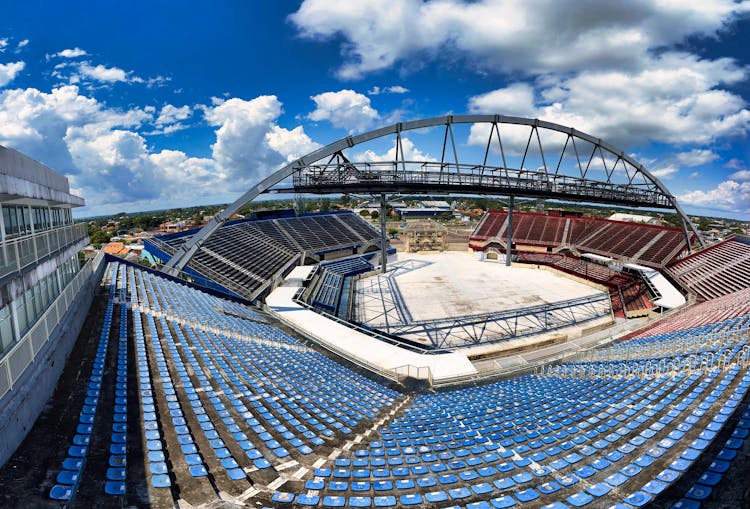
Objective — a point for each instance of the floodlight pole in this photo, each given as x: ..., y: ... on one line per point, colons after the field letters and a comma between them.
x: 509, y: 241
x: 383, y: 237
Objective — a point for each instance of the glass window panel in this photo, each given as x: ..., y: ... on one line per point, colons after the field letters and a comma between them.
x: 20, y: 308
x: 7, y: 338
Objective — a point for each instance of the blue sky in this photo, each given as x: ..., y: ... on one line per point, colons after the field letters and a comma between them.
x: 148, y: 105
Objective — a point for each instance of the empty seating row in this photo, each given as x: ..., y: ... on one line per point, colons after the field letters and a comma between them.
x: 628, y: 294
x: 221, y: 399
x: 72, y: 467
x: 716, y: 271
x: 245, y: 256
x: 716, y: 310
x: 470, y: 446
x: 647, y: 244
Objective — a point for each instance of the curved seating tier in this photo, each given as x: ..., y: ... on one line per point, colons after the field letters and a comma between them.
x: 231, y: 407
x: 716, y: 271
x: 646, y: 244
x: 248, y: 254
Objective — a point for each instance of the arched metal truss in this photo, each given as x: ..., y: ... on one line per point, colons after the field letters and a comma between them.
x: 551, y: 162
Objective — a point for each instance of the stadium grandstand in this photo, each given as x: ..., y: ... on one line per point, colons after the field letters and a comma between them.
x: 651, y: 245
x: 246, y: 257
x: 233, y: 375
x: 717, y: 270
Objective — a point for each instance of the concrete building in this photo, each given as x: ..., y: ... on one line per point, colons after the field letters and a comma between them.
x: 635, y: 218
x: 45, y: 293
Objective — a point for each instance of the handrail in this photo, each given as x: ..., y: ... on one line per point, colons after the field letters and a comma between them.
x: 19, y: 253
x: 23, y: 353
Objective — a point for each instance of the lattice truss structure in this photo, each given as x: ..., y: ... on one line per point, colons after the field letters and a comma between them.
x: 478, y: 154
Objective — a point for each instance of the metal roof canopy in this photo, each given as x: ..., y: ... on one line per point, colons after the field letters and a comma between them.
x: 328, y: 170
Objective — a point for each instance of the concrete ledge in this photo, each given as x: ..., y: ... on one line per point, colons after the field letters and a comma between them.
x: 368, y: 350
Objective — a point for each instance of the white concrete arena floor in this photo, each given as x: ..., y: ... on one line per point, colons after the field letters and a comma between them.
x: 454, y: 284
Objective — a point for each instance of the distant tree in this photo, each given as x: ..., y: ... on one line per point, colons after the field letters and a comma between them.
x: 364, y: 213
x: 346, y: 199
x: 704, y: 224
x: 374, y: 214
x: 98, y: 237
x: 392, y: 232
x: 671, y: 220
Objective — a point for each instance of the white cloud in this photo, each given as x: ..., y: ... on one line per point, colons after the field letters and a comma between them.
x: 735, y: 164
x: 22, y: 44
x: 664, y: 173
x: 394, y: 89
x: 730, y: 195
x: 242, y: 126
x: 171, y: 114
x: 742, y: 175
x: 46, y: 125
x: 345, y: 109
x: 85, y: 73
x: 674, y: 99
x: 533, y: 37
x: 410, y: 153
x: 516, y: 99
x: 114, y: 162
x: 158, y: 81
x: 102, y: 73
x: 71, y: 53
x: 111, y: 165
x: 3, y: 44
x: 249, y: 144
x: 9, y: 71
x: 696, y: 157
x: 292, y: 144
x: 36, y: 122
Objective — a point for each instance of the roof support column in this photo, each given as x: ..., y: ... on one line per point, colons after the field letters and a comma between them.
x: 383, y: 236
x: 509, y: 241
x: 686, y: 233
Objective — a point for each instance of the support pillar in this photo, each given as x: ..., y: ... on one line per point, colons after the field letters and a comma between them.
x: 383, y: 236
x: 509, y: 230
x: 686, y: 232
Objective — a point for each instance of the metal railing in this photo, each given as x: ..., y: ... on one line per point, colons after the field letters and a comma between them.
x: 17, y: 254
x: 402, y: 174
x: 23, y: 353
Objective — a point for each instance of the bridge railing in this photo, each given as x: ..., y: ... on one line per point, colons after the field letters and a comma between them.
x: 322, y: 177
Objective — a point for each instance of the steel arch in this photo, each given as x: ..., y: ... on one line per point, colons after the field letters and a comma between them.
x: 661, y: 197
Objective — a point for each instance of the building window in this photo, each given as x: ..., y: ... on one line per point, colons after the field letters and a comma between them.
x: 7, y: 339
x: 19, y: 306
x: 16, y: 220
x: 41, y: 219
